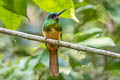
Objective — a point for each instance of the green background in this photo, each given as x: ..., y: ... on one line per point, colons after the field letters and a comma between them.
x: 93, y: 23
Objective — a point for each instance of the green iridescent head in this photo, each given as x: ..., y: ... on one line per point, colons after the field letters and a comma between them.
x: 53, y: 17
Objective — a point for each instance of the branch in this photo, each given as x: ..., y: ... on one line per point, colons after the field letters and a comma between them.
x: 61, y: 43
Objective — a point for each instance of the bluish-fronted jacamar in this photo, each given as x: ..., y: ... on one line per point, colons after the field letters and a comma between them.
x: 52, y: 29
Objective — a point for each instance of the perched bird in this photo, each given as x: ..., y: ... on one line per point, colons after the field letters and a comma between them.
x: 52, y: 29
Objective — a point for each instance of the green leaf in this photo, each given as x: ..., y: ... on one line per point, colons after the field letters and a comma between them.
x: 10, y: 20
x: 16, y: 6
x: 24, y: 63
x: 80, y: 4
x: 34, y: 61
x: 87, y: 13
x: 45, y: 58
x: 113, y: 9
x: 113, y: 65
x: 102, y: 17
x: 57, y: 6
x: 118, y: 30
x: 99, y: 42
x: 86, y: 7
x: 42, y: 45
x: 75, y: 63
x: 1, y: 3
x: 86, y: 34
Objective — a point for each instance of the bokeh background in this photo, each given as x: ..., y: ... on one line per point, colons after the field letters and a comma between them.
x: 93, y: 23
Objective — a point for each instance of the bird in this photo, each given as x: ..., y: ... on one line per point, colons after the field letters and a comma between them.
x: 52, y: 29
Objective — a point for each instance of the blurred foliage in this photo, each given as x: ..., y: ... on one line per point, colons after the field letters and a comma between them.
x: 70, y: 13
x: 16, y: 7
x: 98, y: 27
x: 10, y: 20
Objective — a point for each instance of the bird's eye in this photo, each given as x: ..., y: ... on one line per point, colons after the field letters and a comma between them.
x: 52, y: 16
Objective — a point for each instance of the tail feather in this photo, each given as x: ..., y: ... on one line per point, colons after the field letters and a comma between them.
x: 53, y: 65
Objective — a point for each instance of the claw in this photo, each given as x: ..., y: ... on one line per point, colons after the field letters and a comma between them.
x: 45, y: 41
x: 58, y: 43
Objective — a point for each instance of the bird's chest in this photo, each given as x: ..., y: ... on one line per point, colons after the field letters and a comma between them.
x: 53, y: 33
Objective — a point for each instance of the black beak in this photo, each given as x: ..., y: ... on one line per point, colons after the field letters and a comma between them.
x: 61, y: 12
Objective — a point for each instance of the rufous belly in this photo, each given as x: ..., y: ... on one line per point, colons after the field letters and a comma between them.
x: 53, y: 34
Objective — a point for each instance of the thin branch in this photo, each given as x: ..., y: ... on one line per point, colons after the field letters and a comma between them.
x: 61, y: 43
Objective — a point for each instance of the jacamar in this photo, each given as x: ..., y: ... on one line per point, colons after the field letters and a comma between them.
x: 52, y: 29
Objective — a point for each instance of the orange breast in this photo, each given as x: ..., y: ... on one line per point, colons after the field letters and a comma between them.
x: 53, y: 34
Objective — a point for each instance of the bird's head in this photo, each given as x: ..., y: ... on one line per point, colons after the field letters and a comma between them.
x: 54, y: 16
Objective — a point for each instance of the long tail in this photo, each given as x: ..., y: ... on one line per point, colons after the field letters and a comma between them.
x: 53, y: 64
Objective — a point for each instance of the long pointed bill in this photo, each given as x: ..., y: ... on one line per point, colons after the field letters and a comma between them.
x: 61, y: 12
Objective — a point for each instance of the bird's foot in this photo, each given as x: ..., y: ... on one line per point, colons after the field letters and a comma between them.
x: 58, y: 43
x: 45, y: 40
